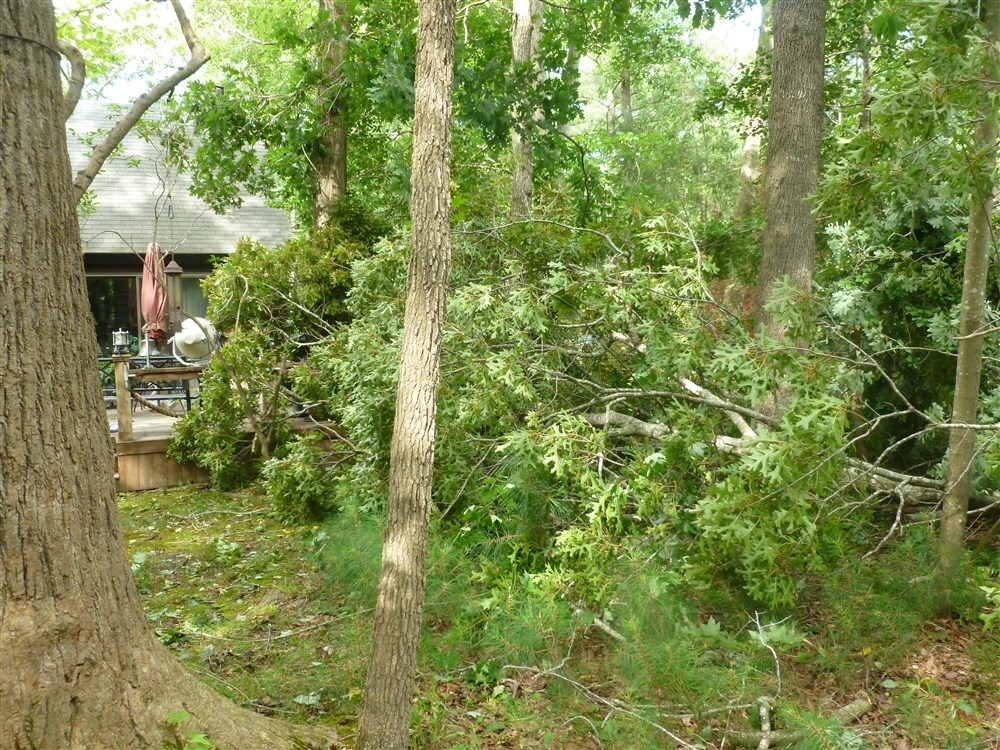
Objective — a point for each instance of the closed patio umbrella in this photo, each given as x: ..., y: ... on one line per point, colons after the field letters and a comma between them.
x: 154, y: 294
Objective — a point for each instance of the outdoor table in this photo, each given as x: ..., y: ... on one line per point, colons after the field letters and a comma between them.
x: 166, y: 374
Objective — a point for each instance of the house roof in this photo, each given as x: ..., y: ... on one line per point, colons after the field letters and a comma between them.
x: 138, y: 201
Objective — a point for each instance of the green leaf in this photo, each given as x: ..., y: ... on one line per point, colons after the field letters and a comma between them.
x: 710, y: 629
x: 887, y: 26
x: 178, y: 717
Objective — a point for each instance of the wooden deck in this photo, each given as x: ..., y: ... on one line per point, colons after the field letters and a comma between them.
x: 142, y: 461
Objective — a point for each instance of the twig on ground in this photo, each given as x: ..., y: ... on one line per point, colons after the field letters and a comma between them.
x: 774, y: 654
x: 601, y: 625
x: 765, y: 704
x: 845, y: 715
x: 610, y: 703
x: 281, y: 636
x: 593, y: 729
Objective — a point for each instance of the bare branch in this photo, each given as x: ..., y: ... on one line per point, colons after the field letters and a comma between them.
x: 583, y: 230
x: 849, y: 713
x: 101, y: 153
x: 897, y: 478
x: 78, y: 74
x: 735, y: 417
x: 624, y: 425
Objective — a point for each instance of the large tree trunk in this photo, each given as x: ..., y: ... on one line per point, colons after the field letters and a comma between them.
x: 384, y: 722
x: 79, y: 666
x: 795, y: 132
x: 962, y: 443
x: 525, y: 35
x: 331, y: 166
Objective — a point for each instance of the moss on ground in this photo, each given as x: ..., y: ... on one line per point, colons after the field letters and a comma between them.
x: 279, y: 619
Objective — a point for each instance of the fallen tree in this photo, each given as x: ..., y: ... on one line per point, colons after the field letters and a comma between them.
x: 908, y: 489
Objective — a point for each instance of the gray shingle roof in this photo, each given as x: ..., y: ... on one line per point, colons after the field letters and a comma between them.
x: 136, y: 205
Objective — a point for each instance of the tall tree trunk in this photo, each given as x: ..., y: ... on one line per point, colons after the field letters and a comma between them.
x: 331, y: 166
x: 79, y: 666
x: 962, y: 442
x: 865, y: 118
x: 384, y: 721
x: 795, y: 132
x: 750, y: 167
x: 626, y: 99
x: 610, y: 111
x: 525, y: 35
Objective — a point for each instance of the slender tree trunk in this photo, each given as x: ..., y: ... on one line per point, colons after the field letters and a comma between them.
x: 865, y: 119
x: 610, y: 111
x: 750, y: 166
x: 525, y: 35
x: 626, y: 99
x: 795, y: 132
x: 79, y: 666
x: 962, y: 443
x: 331, y: 166
x: 384, y: 721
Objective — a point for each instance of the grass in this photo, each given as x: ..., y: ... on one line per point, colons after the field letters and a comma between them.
x: 239, y: 598
x: 278, y: 618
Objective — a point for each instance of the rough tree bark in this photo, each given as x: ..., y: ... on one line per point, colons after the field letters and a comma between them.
x: 525, y: 35
x: 79, y: 666
x: 795, y: 132
x: 962, y: 442
x: 384, y: 721
x: 331, y: 166
x: 122, y: 128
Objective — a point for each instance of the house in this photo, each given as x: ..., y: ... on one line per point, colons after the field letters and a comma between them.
x: 137, y: 199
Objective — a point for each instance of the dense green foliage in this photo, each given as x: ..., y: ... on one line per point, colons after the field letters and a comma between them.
x: 556, y: 323
x: 605, y: 458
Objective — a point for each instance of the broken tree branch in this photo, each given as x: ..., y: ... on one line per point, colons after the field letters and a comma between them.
x: 198, y: 58
x: 909, y: 488
x: 845, y: 715
x: 624, y: 425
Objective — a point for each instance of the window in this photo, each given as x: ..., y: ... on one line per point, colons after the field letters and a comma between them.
x: 114, y: 303
x: 193, y: 302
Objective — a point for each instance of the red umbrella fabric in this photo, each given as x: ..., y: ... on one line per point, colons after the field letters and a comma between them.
x: 154, y: 293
